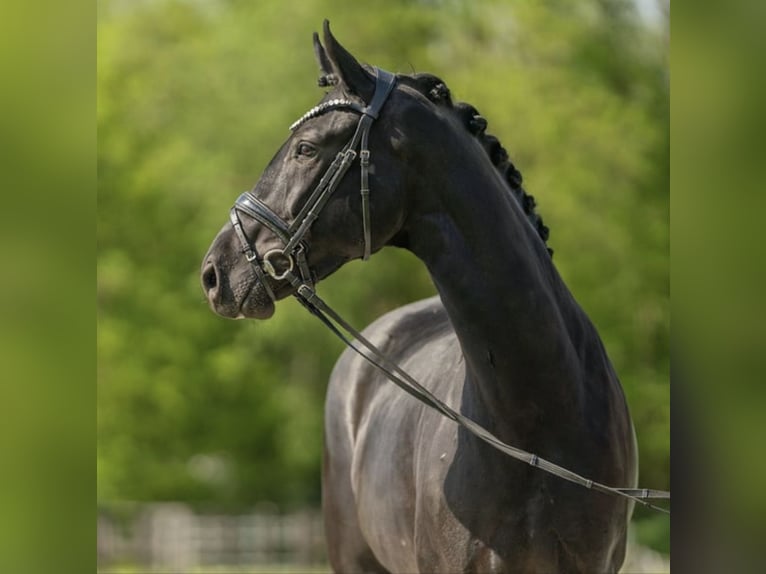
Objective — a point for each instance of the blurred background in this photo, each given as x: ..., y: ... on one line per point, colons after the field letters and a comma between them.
x: 210, y: 431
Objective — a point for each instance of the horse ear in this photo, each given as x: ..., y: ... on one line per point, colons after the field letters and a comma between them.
x: 346, y: 68
x: 327, y: 77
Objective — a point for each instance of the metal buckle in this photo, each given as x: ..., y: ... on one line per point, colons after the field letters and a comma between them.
x: 270, y: 268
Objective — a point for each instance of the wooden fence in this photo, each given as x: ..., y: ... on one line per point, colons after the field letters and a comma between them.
x: 173, y: 537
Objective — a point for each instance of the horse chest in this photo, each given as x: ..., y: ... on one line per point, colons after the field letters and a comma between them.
x: 487, y: 532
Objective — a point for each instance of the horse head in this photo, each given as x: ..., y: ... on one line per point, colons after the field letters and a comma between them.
x: 359, y: 171
x: 306, y: 217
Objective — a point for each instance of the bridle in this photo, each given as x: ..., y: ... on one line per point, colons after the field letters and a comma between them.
x: 295, y: 251
x: 280, y: 263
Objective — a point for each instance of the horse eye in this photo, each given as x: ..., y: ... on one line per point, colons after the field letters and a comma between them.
x: 306, y: 149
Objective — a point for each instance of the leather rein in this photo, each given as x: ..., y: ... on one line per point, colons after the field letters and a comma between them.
x: 280, y: 264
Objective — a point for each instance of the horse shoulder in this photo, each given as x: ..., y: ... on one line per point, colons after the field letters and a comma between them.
x: 370, y: 430
x: 399, y: 334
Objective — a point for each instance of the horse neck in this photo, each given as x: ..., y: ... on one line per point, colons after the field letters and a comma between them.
x: 519, y: 328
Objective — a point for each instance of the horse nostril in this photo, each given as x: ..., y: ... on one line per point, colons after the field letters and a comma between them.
x: 209, y: 278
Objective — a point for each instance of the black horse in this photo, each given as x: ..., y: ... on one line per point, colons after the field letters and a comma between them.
x: 404, y: 489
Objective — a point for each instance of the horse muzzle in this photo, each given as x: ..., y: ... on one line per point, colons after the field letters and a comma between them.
x: 235, y: 294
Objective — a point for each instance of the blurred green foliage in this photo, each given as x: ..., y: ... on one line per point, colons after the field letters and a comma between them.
x: 195, y: 96
x: 47, y: 291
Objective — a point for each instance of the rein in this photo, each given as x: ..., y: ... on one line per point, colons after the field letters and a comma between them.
x: 280, y: 265
x: 309, y: 299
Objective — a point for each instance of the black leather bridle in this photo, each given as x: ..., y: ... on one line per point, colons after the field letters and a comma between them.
x: 295, y: 251
x: 279, y: 264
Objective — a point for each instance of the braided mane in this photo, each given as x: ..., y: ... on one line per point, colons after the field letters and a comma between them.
x: 436, y: 91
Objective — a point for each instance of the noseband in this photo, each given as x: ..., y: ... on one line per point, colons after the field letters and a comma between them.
x: 280, y: 263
